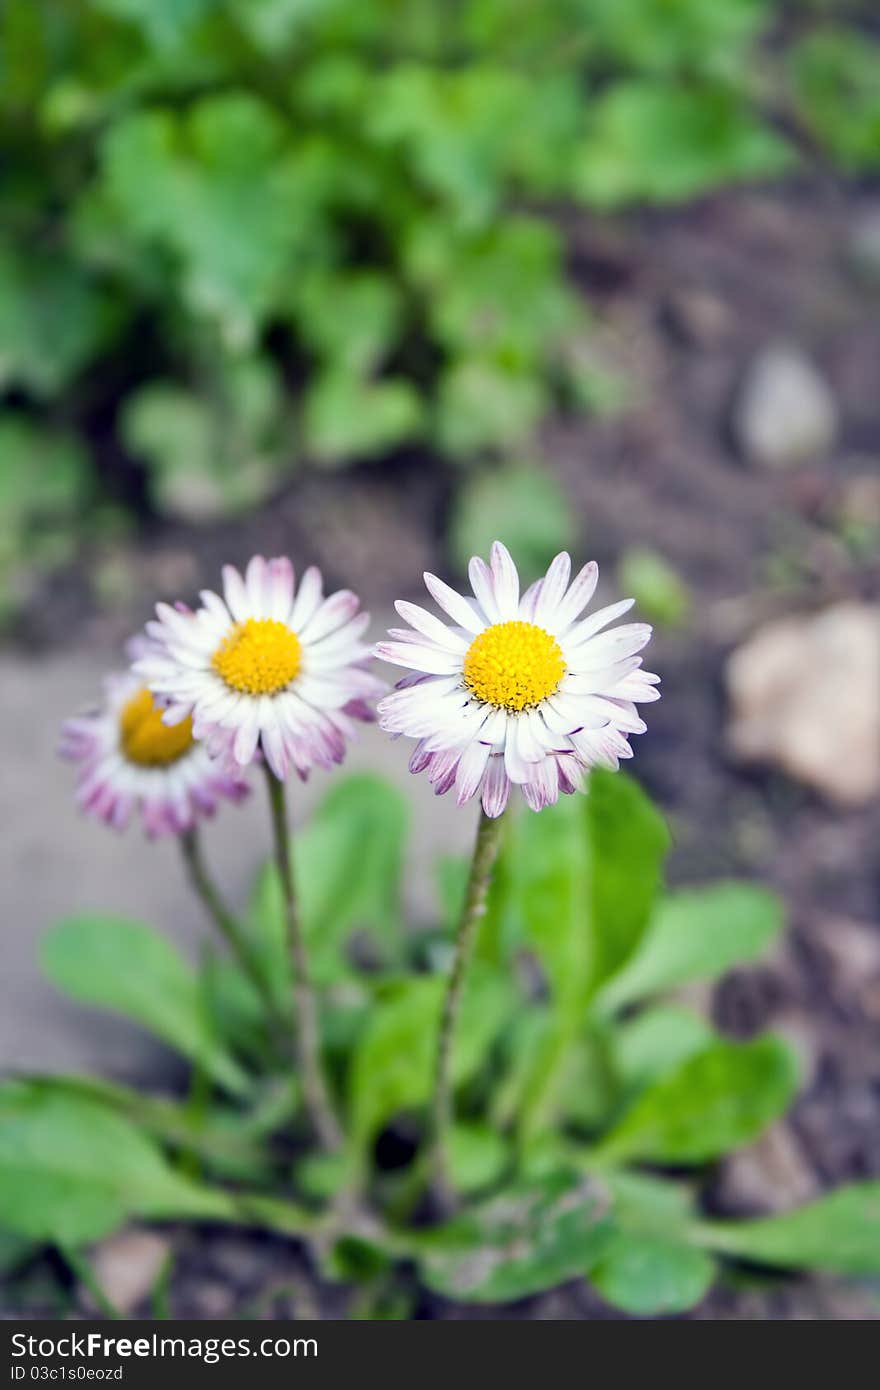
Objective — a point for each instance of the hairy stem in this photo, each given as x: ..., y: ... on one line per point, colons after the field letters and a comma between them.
x: 485, y: 853
x: 226, y: 924
x: 308, y: 1048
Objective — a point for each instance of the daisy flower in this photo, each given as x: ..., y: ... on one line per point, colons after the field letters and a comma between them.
x: 130, y: 761
x: 267, y: 668
x: 518, y: 690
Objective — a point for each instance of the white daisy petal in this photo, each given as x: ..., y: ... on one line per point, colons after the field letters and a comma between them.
x: 505, y: 578
x: 529, y: 602
x: 496, y: 788
x: 459, y: 608
x: 130, y: 762
x: 281, y: 578
x: 247, y: 736
x: 484, y: 589
x: 256, y: 584
x: 519, y: 692
x: 339, y: 608
x: 419, y: 658
x: 580, y: 591
x: 553, y: 587
x: 425, y: 623
x: 494, y: 731
x: 517, y: 748
x: 235, y: 593
x: 596, y: 621
x: 272, y: 669
x: 308, y: 597
x: 610, y: 647
x: 470, y: 770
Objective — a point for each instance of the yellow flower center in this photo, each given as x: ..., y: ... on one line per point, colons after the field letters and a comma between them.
x: 513, y: 665
x: 145, y: 739
x: 259, y: 657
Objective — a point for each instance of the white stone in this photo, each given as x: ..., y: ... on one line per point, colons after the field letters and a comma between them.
x: 127, y: 1265
x: 805, y: 695
x: 785, y: 413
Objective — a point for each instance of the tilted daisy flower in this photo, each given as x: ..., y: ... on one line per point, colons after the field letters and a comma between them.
x: 131, y: 762
x: 267, y: 668
x: 519, y: 690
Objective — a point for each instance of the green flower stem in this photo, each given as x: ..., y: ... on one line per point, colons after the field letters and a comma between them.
x: 308, y: 1047
x: 226, y: 924
x: 485, y: 853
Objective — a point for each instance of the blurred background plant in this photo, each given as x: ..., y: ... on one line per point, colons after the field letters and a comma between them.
x: 240, y: 238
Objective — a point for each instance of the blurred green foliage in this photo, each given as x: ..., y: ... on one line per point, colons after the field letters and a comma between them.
x: 236, y: 235
x: 591, y: 1101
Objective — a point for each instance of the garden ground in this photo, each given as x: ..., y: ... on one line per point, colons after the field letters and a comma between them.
x: 683, y: 303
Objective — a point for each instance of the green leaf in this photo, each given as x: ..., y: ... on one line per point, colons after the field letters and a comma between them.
x: 549, y: 861
x: 392, y: 1068
x: 347, y: 417
x: 657, y: 1041
x: 348, y: 863
x: 43, y: 475
x: 835, y: 74
x: 697, y: 934
x: 15, y: 1250
x: 477, y: 1156
x: 452, y: 129
x: 650, y: 1275
x: 350, y: 860
x: 692, y: 36
x: 652, y: 1262
x: 221, y: 191
x: 520, y: 504
x: 483, y: 405
x: 655, y: 142
x: 129, y: 969
x: 352, y: 320
x: 218, y: 1137
x: 524, y: 1042
x: 234, y: 1005
x: 644, y: 1204
x: 659, y: 591
x: 165, y: 23
x: 53, y: 319
x: 718, y: 1099
x: 839, y: 1233
x: 498, y: 296
x: 189, y: 442
x: 577, y: 885
x: 72, y: 1170
x: 530, y: 1237
x: 451, y: 880
x: 322, y: 1175
x: 589, y: 1087
x: 272, y: 24
x: 629, y: 840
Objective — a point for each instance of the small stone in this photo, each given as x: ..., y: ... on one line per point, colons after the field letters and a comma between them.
x: 770, y: 1175
x: 805, y: 696
x: 784, y: 414
x: 127, y: 1265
